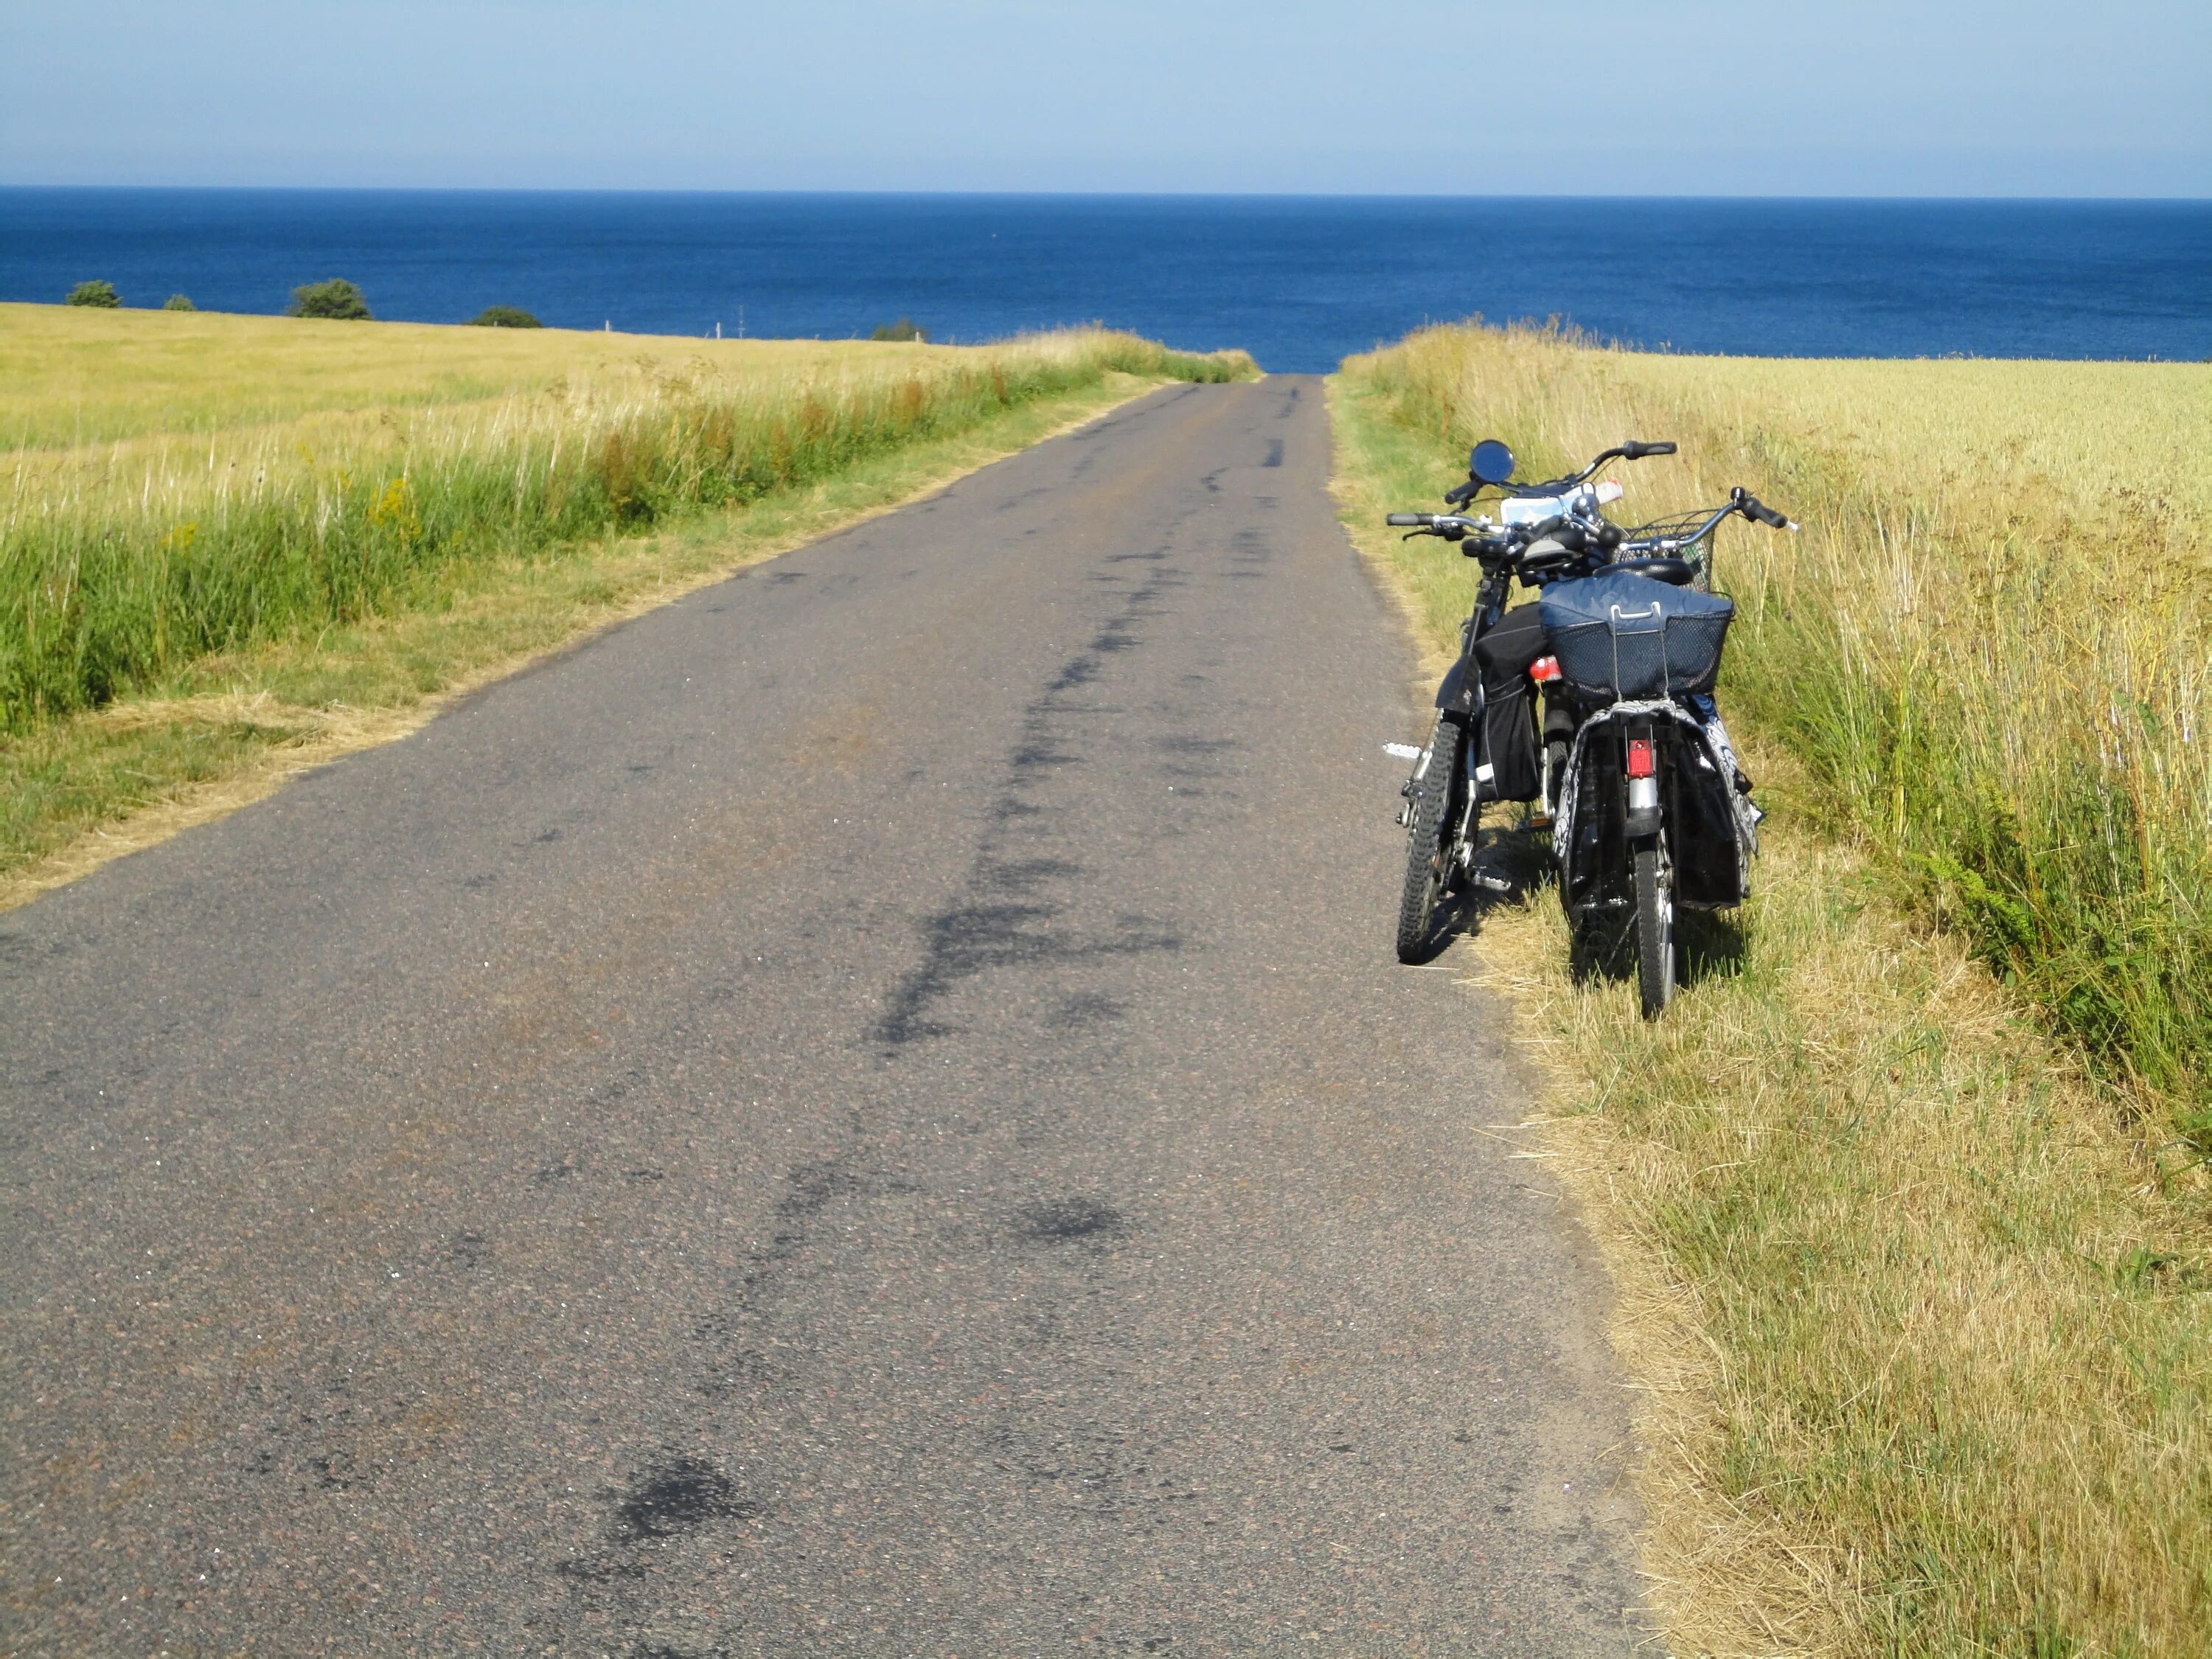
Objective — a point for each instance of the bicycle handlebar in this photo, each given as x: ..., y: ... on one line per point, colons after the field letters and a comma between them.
x: 1754, y: 508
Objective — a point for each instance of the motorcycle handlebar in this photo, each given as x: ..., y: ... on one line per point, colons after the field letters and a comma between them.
x: 1755, y: 508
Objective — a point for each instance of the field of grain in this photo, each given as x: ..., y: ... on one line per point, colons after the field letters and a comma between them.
x: 1913, y: 1255
x: 73, y: 377
x: 201, y: 514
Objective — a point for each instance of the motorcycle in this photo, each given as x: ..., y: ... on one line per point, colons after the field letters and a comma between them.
x: 1628, y: 764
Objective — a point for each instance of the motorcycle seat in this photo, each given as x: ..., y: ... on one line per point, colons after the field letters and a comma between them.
x: 1676, y: 571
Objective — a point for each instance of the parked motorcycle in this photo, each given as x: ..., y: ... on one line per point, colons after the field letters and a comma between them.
x: 1628, y: 762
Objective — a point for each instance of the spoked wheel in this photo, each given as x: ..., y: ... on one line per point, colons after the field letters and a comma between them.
x: 1655, y: 928
x: 1429, y: 850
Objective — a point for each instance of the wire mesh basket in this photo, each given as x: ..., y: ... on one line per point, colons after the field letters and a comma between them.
x: 1670, y: 534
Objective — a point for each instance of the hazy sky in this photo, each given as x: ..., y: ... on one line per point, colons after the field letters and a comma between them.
x: 1874, y: 97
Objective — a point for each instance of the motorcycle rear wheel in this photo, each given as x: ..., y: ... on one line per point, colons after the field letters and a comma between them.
x: 1430, y: 852
x: 1655, y: 929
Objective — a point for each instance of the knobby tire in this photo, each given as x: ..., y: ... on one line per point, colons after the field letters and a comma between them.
x: 1655, y: 929
x: 1428, y: 851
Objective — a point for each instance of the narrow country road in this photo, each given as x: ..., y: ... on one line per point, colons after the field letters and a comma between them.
x: 870, y: 1111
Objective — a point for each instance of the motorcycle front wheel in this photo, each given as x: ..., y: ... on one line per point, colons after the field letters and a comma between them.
x: 1429, y: 848
x: 1655, y: 928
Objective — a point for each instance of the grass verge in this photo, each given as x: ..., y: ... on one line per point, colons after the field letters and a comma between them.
x: 1920, y: 1326
x: 195, y: 733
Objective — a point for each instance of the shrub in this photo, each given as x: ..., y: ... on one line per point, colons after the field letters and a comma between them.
x: 904, y: 329
x: 504, y: 316
x: 99, y: 294
x: 338, y: 298
x: 179, y: 302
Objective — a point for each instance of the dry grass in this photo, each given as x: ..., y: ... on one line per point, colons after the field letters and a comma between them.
x: 1922, y: 1331
x: 1924, y: 1347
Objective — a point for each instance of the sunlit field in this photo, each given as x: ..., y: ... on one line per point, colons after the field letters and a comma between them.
x: 70, y: 377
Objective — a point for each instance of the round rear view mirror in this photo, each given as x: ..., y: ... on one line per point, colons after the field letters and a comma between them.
x: 1490, y: 462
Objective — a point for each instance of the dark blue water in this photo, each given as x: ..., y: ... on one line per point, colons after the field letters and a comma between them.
x: 1299, y: 281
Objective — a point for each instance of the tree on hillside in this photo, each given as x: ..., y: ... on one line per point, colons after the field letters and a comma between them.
x: 338, y: 298
x: 179, y: 302
x: 99, y: 294
x: 904, y: 329
x: 504, y: 317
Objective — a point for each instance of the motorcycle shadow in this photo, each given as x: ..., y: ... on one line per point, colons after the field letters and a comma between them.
x: 1511, y: 865
x: 1710, y: 944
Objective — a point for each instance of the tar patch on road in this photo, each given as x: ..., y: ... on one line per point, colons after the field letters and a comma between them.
x: 672, y: 1496
x: 1055, y: 1221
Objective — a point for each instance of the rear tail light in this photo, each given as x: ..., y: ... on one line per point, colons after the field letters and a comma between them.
x: 1643, y: 762
x: 1543, y: 668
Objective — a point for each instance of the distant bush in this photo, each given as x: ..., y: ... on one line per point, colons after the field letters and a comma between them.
x: 101, y: 294
x: 179, y: 302
x: 904, y: 329
x: 504, y: 316
x: 338, y: 298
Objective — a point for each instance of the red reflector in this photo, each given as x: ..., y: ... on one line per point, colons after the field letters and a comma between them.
x: 1543, y: 668
x: 1641, y: 762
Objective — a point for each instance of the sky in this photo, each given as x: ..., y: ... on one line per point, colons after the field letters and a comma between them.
x: 1451, y: 97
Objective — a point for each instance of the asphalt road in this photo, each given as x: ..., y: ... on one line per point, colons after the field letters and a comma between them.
x: 870, y: 1111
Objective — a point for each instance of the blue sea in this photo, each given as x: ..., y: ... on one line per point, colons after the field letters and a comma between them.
x: 1299, y: 281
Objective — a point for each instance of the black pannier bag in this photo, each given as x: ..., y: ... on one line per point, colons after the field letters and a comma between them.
x: 1625, y: 638
x: 1509, y: 721
x: 1508, y: 730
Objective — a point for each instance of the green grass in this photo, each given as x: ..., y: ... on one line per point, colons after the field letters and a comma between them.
x: 179, y: 607
x: 1919, y: 1319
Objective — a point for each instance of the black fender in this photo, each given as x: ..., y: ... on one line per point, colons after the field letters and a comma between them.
x: 1461, y: 691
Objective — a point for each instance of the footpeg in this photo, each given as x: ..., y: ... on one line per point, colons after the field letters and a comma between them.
x: 1489, y: 884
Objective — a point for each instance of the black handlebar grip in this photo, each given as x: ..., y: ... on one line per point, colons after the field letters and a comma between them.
x: 1659, y: 449
x: 1399, y: 520
x: 1765, y: 515
x: 1460, y: 496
